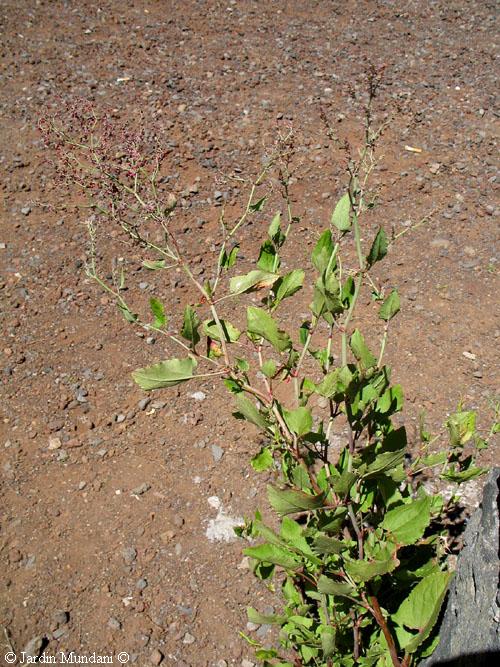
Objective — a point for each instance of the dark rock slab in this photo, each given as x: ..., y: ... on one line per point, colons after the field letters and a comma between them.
x: 470, y: 632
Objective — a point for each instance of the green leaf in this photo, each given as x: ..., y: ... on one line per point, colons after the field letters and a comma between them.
x: 391, y: 400
x: 379, y: 248
x: 127, y: 313
x: 304, y: 330
x: 242, y: 365
x: 268, y: 258
x: 343, y: 484
x: 459, y: 477
x: 253, y: 280
x: 190, y: 326
x: 288, y: 285
x: 158, y: 311
x: 421, y: 608
x: 390, y: 306
x: 330, y: 587
x: 383, y: 463
x: 263, y: 619
x: 165, y: 374
x: 334, y: 522
x: 340, y: 216
x: 227, y: 260
x: 274, y: 232
x: 293, y: 533
x: 248, y: 411
x: 231, y: 333
x: 259, y: 205
x: 269, y: 368
x: 363, y: 570
x: 335, y: 383
x: 347, y: 292
x: 407, y: 523
x: 323, y: 544
x: 154, y: 265
x: 327, y: 634
x: 288, y: 501
x: 322, y: 255
x: 361, y: 351
x: 274, y: 554
x: 274, y: 227
x: 299, y: 421
x: 461, y: 427
x: 263, y: 460
x: 260, y: 323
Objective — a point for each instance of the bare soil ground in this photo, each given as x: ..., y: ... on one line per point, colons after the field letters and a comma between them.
x: 103, y: 544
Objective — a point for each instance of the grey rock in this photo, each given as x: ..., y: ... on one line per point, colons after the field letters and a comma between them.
x: 60, y: 632
x: 114, y: 623
x: 61, y: 617
x: 142, y: 488
x: 156, y: 657
x: 129, y: 554
x: 26, y: 210
x: 217, y: 453
x: 440, y: 243
x: 470, y: 631
x: 34, y: 647
x: 263, y: 631
x: 143, y: 403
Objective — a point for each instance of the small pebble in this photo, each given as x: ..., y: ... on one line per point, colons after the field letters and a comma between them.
x: 217, y: 453
x: 156, y: 657
x: 188, y: 639
x: 129, y: 554
x: 142, y: 488
x: 54, y: 443
x: 60, y: 632
x: 61, y: 617
x: 114, y: 623
x: 143, y: 403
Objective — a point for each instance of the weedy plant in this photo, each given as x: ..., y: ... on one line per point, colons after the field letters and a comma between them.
x: 358, y: 549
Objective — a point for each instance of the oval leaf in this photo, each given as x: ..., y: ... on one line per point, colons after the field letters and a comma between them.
x: 340, y: 216
x: 165, y: 374
x: 390, y: 306
x: 253, y: 280
x: 260, y: 323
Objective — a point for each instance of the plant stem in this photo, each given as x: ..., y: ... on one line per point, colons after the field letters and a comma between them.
x: 382, y: 346
x: 357, y: 288
x: 379, y: 617
x: 357, y: 530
